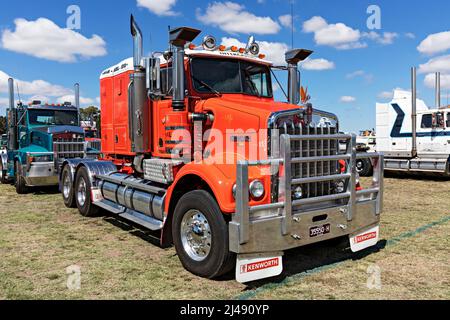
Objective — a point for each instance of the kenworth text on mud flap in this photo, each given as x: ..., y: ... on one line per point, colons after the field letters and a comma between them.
x: 280, y: 184
x: 39, y: 137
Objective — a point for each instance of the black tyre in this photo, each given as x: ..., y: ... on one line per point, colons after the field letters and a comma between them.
x: 200, y: 235
x: 364, y: 167
x: 83, y: 194
x: 3, y: 179
x: 67, y: 189
x: 20, y: 184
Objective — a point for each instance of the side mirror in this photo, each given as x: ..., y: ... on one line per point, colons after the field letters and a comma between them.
x: 153, y: 74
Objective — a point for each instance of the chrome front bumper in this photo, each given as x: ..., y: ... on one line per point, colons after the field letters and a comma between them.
x: 284, y: 225
x: 40, y: 174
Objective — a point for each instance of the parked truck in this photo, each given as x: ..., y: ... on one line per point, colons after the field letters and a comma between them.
x: 39, y: 137
x: 281, y: 182
x: 414, y: 137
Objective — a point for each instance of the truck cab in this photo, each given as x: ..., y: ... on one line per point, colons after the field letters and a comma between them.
x: 40, y: 136
x: 195, y: 146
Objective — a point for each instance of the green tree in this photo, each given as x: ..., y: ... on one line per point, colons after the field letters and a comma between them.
x: 2, y: 125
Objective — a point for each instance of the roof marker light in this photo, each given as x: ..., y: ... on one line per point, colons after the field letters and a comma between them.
x: 234, y: 48
x: 241, y: 50
x: 192, y: 46
x: 262, y: 56
x: 222, y: 48
x: 209, y: 43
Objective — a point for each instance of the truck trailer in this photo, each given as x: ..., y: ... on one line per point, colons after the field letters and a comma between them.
x: 39, y: 137
x: 414, y: 137
x: 281, y: 182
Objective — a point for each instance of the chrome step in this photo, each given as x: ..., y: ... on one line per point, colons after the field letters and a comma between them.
x: 142, y: 220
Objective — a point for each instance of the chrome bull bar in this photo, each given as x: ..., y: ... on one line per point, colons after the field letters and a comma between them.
x: 283, y: 164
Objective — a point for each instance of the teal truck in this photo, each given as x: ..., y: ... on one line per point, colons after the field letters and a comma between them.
x: 39, y: 138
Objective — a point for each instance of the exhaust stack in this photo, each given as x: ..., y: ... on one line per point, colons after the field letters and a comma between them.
x: 77, y: 101
x: 438, y: 90
x: 293, y: 57
x: 12, y: 118
x: 178, y: 38
x: 414, y: 111
x: 138, y: 47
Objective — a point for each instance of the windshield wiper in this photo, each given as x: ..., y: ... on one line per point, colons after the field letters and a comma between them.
x: 207, y: 86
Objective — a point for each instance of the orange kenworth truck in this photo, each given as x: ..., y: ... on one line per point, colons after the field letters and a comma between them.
x: 194, y: 145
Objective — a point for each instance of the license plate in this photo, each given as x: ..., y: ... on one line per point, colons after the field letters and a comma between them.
x: 319, y: 230
x: 364, y: 239
x: 255, y: 267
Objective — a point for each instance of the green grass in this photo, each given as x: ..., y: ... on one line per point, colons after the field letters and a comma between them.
x: 40, y: 238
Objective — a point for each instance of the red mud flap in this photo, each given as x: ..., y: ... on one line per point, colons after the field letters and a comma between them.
x: 365, y: 239
x: 251, y: 267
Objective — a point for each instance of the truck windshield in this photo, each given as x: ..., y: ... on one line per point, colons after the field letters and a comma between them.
x: 52, y: 117
x: 231, y: 76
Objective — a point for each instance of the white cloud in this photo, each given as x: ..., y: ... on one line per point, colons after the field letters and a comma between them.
x: 317, y: 64
x: 385, y: 38
x: 386, y: 95
x: 159, y: 7
x: 438, y: 64
x: 360, y: 74
x: 435, y: 43
x: 338, y: 35
x: 286, y: 20
x: 44, y: 39
x: 347, y: 99
x: 430, y: 81
x: 231, y: 17
x: 34, y: 87
x: 410, y: 35
x: 274, y: 51
x: 71, y: 98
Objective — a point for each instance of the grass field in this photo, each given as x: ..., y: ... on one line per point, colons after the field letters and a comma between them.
x: 40, y: 238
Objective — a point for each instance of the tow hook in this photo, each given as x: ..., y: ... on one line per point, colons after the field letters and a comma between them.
x: 342, y: 226
x: 296, y: 236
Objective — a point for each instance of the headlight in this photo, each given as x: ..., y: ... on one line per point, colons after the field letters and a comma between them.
x: 339, y: 186
x: 298, y: 193
x: 256, y: 189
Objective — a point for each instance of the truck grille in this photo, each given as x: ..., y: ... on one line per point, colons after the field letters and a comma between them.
x: 95, y: 144
x: 68, y: 148
x: 311, y: 148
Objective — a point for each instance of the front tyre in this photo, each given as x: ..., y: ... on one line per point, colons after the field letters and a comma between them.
x: 67, y: 188
x: 364, y: 167
x: 83, y: 193
x: 20, y: 184
x: 200, y: 235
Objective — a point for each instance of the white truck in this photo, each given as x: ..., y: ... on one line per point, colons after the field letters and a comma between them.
x: 413, y: 137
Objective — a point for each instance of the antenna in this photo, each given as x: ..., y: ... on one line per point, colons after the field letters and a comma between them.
x: 18, y: 92
x: 292, y: 24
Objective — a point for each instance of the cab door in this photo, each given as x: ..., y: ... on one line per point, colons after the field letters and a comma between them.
x: 431, y: 135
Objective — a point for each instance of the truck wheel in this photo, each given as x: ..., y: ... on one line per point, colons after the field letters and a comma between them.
x: 20, y: 184
x: 200, y: 235
x: 83, y: 194
x: 3, y: 179
x: 67, y: 188
x: 364, y: 167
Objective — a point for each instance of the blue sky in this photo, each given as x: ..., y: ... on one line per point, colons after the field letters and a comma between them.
x: 351, y: 69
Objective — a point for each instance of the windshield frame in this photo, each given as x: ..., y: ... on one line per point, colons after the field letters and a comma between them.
x: 30, y: 111
x: 208, y: 94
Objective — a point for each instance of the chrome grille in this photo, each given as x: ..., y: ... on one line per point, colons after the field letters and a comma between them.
x: 312, y: 148
x: 94, y: 144
x: 68, y: 148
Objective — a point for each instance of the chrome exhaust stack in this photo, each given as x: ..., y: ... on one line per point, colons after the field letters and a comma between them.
x: 438, y: 90
x: 178, y: 38
x: 138, y: 46
x: 293, y: 57
x: 414, y: 110
x: 77, y: 100
x: 12, y: 121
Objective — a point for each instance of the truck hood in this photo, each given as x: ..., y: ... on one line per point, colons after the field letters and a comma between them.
x: 260, y: 107
x: 60, y: 129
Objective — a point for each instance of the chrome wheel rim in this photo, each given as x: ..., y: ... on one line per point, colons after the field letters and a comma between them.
x: 81, y: 192
x: 196, y: 235
x: 66, y: 186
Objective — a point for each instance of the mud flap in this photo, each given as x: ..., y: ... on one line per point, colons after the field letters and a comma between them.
x: 365, y: 239
x: 251, y: 267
